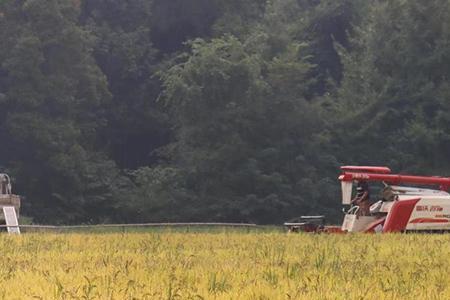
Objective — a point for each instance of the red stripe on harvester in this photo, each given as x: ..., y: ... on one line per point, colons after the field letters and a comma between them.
x: 428, y: 220
x: 398, y: 216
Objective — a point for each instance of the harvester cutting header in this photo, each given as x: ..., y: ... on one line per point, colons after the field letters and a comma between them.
x: 424, y: 206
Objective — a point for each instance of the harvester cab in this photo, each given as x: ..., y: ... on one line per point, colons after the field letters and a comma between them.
x: 423, y: 206
x: 398, y: 208
x: 7, y: 198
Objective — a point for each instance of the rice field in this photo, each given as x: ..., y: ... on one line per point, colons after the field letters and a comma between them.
x: 165, y: 265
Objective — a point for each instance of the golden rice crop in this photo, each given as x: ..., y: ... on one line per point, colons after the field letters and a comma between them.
x: 224, y: 266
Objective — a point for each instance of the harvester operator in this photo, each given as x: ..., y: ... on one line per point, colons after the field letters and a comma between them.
x: 362, y: 198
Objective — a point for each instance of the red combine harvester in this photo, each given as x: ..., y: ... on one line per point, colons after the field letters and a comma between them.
x: 399, y: 208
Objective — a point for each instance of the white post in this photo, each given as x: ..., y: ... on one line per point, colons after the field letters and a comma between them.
x: 11, y: 219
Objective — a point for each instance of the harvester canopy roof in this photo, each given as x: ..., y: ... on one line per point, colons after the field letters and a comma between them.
x: 357, y: 174
x: 366, y: 169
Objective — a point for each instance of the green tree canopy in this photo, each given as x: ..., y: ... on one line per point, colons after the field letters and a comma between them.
x: 52, y: 109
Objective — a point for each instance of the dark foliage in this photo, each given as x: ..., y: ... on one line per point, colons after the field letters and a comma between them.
x: 216, y: 110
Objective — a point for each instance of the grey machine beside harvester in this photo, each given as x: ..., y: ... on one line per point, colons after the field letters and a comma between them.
x: 7, y: 198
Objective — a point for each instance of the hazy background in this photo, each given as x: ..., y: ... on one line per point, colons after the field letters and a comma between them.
x: 216, y: 110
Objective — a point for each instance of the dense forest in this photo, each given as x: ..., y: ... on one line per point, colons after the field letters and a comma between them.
x: 216, y: 110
